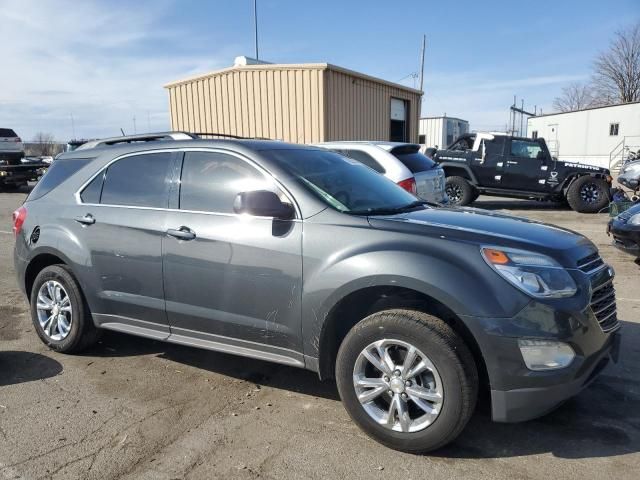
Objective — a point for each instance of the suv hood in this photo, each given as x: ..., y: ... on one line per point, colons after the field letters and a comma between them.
x: 485, y: 227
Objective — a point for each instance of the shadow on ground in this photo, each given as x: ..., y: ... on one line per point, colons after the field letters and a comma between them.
x: 20, y: 367
x: 602, y: 421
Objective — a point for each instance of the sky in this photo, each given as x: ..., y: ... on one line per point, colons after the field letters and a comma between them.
x: 88, y: 68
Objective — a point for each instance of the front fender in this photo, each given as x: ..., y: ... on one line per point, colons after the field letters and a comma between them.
x: 453, y: 279
x: 460, y: 166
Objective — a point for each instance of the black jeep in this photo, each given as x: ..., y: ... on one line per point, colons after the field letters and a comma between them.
x: 502, y: 165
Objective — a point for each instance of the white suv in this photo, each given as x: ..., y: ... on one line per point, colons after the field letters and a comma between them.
x: 11, y: 147
x: 401, y: 162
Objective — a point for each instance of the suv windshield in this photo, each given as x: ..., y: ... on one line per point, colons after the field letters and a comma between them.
x: 343, y: 183
x: 412, y: 159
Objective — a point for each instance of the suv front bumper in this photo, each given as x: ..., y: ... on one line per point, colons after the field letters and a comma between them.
x: 523, y: 404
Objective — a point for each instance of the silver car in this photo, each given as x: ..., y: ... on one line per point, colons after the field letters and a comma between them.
x: 11, y: 147
x: 401, y: 162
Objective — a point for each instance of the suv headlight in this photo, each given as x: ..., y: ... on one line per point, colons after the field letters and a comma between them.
x: 634, y: 220
x: 535, y: 274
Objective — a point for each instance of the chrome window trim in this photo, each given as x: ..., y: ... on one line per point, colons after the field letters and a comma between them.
x: 241, y: 157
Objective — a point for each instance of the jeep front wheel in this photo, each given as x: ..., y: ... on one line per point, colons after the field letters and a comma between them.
x: 407, y: 379
x: 588, y: 194
x: 460, y: 191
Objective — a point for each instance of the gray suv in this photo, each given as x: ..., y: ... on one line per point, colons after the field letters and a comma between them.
x: 300, y: 256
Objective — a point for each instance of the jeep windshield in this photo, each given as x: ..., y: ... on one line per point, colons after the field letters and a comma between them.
x: 344, y: 184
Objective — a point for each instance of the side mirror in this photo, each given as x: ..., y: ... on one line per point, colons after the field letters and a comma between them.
x: 263, y: 203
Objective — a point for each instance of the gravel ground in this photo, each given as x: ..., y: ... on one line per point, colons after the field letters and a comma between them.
x: 136, y: 408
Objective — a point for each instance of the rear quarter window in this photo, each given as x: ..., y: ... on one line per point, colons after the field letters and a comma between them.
x: 58, y: 172
x: 413, y: 159
x: 7, y: 133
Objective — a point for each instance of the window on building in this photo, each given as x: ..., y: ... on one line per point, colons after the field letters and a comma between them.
x: 613, y: 129
x: 422, y: 139
x: 211, y: 181
x: 138, y: 181
x: 534, y: 134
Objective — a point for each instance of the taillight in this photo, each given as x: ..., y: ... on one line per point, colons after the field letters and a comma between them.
x: 19, y: 216
x: 17, y: 139
x: 409, y: 185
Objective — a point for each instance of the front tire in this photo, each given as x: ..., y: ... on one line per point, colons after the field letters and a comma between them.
x: 588, y: 194
x: 59, y: 311
x: 407, y: 379
x: 460, y: 191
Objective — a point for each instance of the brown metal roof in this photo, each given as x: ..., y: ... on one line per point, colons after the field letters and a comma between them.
x: 291, y: 66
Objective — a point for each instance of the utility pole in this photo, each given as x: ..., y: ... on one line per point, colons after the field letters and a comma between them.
x: 73, y: 126
x: 135, y: 130
x: 424, y: 44
x: 255, y: 23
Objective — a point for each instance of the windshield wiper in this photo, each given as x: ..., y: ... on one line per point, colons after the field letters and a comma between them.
x: 392, y: 210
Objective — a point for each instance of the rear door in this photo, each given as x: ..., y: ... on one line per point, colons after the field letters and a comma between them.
x: 120, y: 221
x: 526, y: 166
x: 230, y: 279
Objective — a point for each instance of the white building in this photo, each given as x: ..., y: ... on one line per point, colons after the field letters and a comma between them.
x: 441, y: 131
x: 598, y: 136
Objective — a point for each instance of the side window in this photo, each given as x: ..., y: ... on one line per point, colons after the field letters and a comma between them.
x: 138, y: 181
x: 525, y: 149
x: 59, y: 171
x: 462, y: 145
x: 211, y: 180
x: 91, y: 193
x: 365, y: 159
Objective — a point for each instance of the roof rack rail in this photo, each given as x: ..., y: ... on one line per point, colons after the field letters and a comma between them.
x: 227, y: 135
x: 143, y: 137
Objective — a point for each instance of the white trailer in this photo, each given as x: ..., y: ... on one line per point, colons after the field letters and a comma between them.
x: 441, y: 132
x: 600, y: 136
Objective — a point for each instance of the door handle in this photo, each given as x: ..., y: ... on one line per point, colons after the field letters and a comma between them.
x: 88, y: 219
x: 182, y: 233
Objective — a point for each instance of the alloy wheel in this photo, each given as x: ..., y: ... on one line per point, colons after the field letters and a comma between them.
x: 54, y: 310
x: 398, y: 385
x: 454, y: 192
x: 590, y: 193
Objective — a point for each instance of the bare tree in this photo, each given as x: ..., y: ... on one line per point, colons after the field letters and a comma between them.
x: 576, y: 96
x: 616, y: 78
x: 44, y: 144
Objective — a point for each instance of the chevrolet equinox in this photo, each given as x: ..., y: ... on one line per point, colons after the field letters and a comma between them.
x: 301, y: 256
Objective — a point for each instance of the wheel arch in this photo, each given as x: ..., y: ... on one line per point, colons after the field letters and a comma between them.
x: 355, y: 306
x: 459, y: 170
x: 43, y: 259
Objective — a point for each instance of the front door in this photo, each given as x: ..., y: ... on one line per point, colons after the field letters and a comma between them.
x: 230, y: 279
x: 525, y: 166
x: 119, y: 225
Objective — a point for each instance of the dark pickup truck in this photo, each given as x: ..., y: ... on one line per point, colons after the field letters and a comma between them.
x: 502, y: 165
x: 14, y: 170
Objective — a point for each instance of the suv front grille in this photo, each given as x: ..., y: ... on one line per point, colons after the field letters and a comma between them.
x: 603, y: 305
x: 590, y: 263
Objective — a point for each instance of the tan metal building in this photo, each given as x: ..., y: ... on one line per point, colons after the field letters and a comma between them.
x: 300, y: 103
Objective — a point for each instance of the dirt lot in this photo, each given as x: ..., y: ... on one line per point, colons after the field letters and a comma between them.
x: 136, y: 408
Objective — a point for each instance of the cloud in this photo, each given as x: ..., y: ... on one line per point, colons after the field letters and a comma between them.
x: 91, y: 61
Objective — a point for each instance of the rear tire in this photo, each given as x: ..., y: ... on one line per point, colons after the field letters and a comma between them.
x: 588, y: 195
x: 460, y: 191
x: 451, y: 374
x: 60, y: 313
